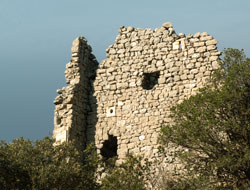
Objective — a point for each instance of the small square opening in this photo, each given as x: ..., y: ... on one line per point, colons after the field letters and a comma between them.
x: 150, y: 80
x: 110, y: 111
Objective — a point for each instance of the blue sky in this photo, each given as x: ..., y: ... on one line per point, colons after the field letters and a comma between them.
x: 36, y: 37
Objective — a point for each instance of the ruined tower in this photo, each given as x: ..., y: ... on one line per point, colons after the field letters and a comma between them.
x: 121, y: 103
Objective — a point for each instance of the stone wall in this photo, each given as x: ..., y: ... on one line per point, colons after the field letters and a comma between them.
x: 72, y: 103
x: 146, y: 72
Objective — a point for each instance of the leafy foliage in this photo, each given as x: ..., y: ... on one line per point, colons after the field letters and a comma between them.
x: 12, y: 176
x: 131, y: 174
x: 214, y: 129
x: 41, y: 165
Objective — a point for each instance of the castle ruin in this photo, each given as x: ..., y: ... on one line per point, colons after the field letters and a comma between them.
x: 121, y: 103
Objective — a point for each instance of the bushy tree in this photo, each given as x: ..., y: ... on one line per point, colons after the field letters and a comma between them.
x: 213, y: 129
x: 130, y: 175
x: 41, y: 165
x: 12, y: 176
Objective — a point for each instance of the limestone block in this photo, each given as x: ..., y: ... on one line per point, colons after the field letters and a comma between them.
x: 75, y: 46
x: 126, y: 68
x: 213, y: 58
x: 124, y: 147
x: 173, y: 93
x: 162, y: 80
x: 215, y: 65
x: 137, y: 48
x: 135, y: 150
x: 161, y: 45
x: 216, y: 53
x: 194, y: 71
x: 197, y: 35
x: 113, y: 87
x: 206, y: 38
x: 112, y: 51
x: 207, y: 73
x: 159, y: 63
x: 176, y: 45
x: 190, y: 66
x: 132, y: 84
x: 174, y: 69
x: 111, y: 69
x: 183, y: 45
x: 176, y: 78
x: 184, y: 77
x: 58, y: 100
x: 121, y: 51
x: 196, y: 55
x: 171, y: 31
x: 146, y: 148
x: 122, y: 153
x: 201, y: 49
x: 197, y: 64
x: 121, y: 123
x: 131, y: 145
x: 211, y: 42
x: 61, y: 136
x: 193, y: 40
x: 191, y: 51
x: 130, y: 29
x: 167, y: 25
x: 203, y: 69
x: 198, y: 44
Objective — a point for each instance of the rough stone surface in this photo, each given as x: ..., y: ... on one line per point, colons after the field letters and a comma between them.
x: 72, y: 105
x: 129, y: 94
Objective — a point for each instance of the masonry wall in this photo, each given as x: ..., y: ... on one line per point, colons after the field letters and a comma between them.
x: 146, y: 72
x: 72, y: 104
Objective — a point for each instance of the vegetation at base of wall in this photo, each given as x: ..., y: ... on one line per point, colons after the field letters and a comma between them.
x: 25, y: 165
x: 131, y: 174
x: 213, y: 129
x: 41, y: 165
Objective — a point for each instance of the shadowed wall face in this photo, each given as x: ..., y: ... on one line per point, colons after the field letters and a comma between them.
x: 73, y: 104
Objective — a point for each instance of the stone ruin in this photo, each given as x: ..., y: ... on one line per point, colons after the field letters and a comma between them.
x: 121, y: 103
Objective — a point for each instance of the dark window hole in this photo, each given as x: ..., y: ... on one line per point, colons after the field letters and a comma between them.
x: 58, y: 121
x: 109, y: 149
x: 150, y: 80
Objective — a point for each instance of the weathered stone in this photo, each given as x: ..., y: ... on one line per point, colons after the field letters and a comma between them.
x: 76, y: 46
x: 129, y: 94
x: 167, y: 25
x: 206, y: 38
x: 215, y: 65
x: 176, y: 45
x: 130, y: 29
x: 136, y: 48
x: 198, y: 44
x: 201, y: 49
x: 211, y: 47
x: 197, y: 35
x: 211, y: 42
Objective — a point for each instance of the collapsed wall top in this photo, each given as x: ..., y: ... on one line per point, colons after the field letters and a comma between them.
x: 122, y: 103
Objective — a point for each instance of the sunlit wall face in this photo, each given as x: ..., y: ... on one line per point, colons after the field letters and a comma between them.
x: 36, y: 38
